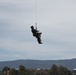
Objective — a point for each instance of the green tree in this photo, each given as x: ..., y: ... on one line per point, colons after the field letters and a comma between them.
x: 22, y: 70
x: 1, y: 73
x: 64, y: 71
x: 5, y: 69
x: 14, y: 72
x: 54, y: 70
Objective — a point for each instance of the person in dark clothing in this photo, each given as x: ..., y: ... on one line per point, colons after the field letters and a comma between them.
x: 36, y: 34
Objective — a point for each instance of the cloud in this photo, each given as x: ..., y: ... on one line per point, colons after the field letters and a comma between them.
x: 55, y: 19
x: 27, y: 50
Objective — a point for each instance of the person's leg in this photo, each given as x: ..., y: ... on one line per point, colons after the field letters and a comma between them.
x: 39, y: 40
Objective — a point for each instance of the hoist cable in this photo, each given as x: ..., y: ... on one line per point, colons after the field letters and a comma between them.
x: 36, y: 14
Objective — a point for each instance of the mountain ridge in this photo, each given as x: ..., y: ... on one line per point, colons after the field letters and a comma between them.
x: 42, y: 64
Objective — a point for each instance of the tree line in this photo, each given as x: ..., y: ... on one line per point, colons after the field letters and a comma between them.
x: 54, y: 70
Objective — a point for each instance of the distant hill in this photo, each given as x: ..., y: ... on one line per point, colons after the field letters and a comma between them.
x: 42, y: 64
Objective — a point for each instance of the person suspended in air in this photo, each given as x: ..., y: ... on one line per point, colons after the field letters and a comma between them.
x: 36, y: 34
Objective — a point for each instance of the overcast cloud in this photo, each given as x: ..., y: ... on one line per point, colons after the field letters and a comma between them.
x: 56, y: 20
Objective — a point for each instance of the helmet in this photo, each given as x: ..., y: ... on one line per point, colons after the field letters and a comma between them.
x: 32, y: 26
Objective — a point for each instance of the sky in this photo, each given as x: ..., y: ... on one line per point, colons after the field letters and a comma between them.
x: 56, y: 19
